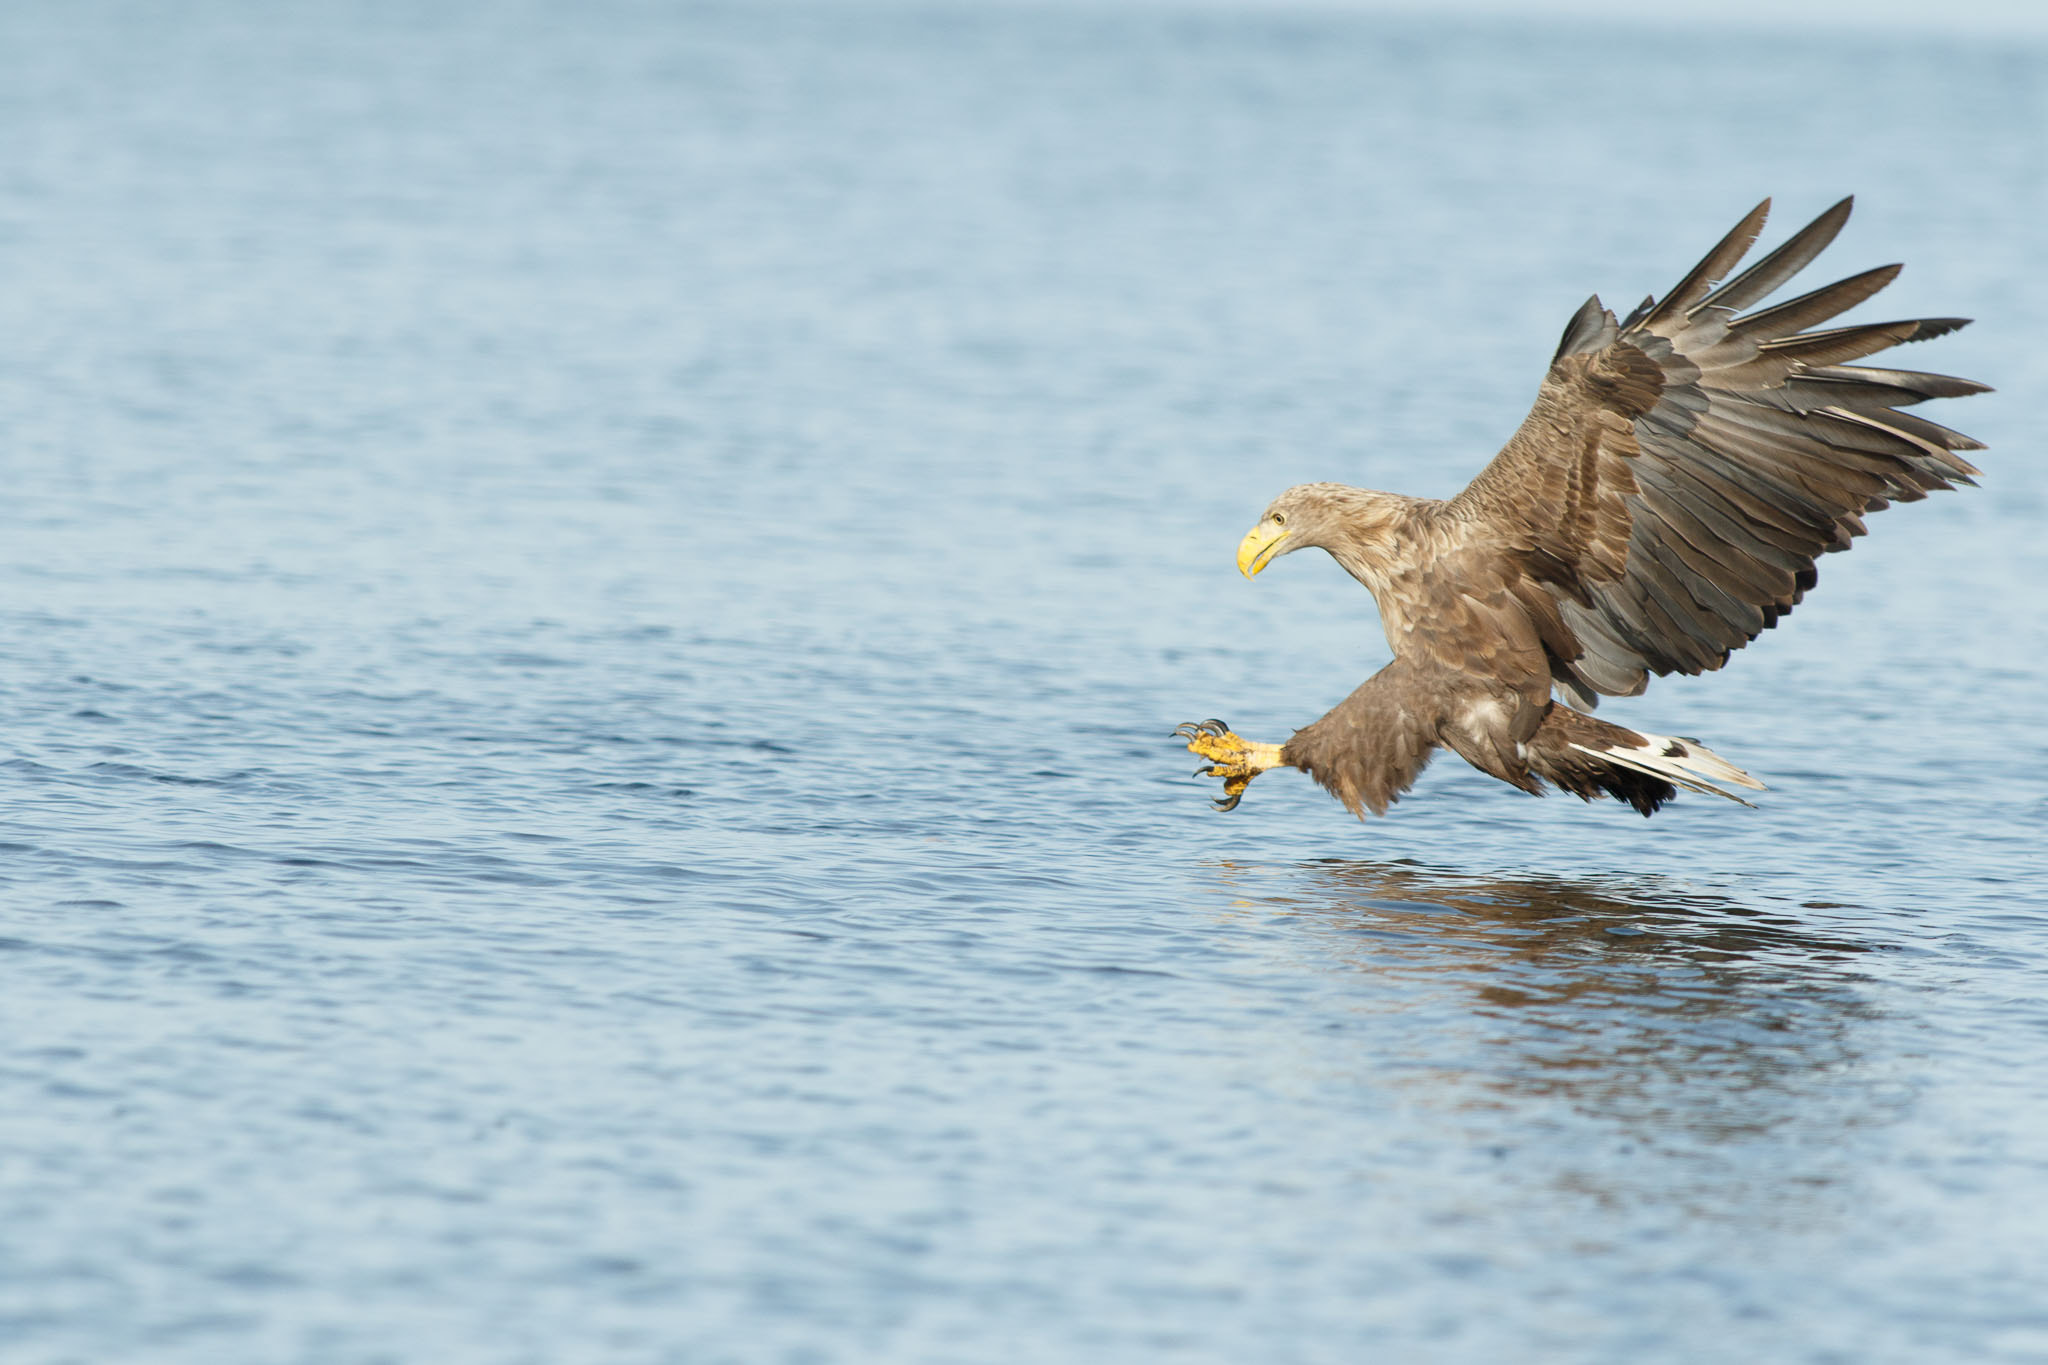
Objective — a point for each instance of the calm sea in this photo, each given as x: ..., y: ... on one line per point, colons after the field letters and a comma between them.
x: 593, y: 596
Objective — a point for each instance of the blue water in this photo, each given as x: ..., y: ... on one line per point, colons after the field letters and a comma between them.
x: 593, y: 598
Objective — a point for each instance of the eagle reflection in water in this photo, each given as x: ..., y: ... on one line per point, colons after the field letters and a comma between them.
x: 1659, y: 1007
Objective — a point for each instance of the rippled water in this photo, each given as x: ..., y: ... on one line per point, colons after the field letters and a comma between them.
x: 594, y: 597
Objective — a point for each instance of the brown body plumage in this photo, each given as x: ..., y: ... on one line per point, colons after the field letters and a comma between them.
x: 1662, y: 505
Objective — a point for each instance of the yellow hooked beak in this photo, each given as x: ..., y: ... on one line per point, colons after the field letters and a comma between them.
x: 1259, y: 546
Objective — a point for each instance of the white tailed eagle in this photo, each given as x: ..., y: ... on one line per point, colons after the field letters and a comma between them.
x: 1661, y: 506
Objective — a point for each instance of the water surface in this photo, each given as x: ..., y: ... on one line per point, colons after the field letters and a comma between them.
x: 594, y: 599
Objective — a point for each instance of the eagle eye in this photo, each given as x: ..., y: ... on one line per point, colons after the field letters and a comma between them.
x: 1279, y: 518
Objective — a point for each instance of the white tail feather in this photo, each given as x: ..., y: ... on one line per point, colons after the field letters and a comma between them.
x: 1680, y: 761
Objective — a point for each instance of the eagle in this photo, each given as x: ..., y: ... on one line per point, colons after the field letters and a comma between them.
x: 1662, y: 505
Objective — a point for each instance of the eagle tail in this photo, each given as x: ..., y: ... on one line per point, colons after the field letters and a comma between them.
x: 1679, y: 760
x: 1590, y: 758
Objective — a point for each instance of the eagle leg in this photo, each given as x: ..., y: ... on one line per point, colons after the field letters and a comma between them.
x: 1231, y: 757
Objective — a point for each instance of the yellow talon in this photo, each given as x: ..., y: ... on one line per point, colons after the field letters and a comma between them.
x: 1232, y: 757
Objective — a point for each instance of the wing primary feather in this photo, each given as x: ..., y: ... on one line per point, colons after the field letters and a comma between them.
x: 1925, y: 452
x: 1762, y: 279
x: 1915, y: 385
x: 1795, y: 315
x: 1837, y: 344
x: 1934, y: 433
x: 1716, y: 263
x: 1806, y: 390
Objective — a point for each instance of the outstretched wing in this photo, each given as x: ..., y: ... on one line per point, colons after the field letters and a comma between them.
x: 1682, y: 470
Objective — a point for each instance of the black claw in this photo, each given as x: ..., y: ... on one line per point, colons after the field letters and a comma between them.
x: 1215, y: 727
x: 1227, y: 803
